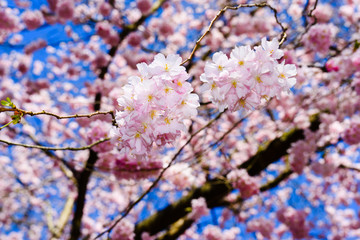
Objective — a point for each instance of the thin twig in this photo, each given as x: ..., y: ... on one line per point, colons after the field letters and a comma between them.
x: 6, y: 125
x: 56, y: 148
x: 308, y: 26
x: 349, y: 167
x: 223, y: 10
x: 24, y: 112
x: 69, y: 171
x: 312, y: 10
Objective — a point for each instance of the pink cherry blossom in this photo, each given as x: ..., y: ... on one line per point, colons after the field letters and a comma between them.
x: 65, y: 9
x: 151, y: 116
x: 198, y: 208
x: 352, y: 134
x: 264, y: 226
x: 247, y: 185
x: 144, y: 6
x: 295, y: 220
x: 247, y: 76
x: 105, y: 9
x: 319, y: 38
x: 32, y: 19
x: 124, y: 230
x: 8, y: 20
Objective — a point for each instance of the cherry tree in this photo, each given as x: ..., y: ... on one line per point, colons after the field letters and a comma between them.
x: 159, y: 119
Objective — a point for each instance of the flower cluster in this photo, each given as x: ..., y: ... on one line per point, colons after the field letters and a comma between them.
x: 199, y: 208
x: 248, y: 76
x: 295, y: 220
x: 32, y: 19
x: 99, y: 130
x: 8, y: 20
x: 319, y: 38
x: 327, y: 166
x: 106, y: 32
x: 262, y: 225
x: 154, y: 106
x: 352, y: 134
x: 124, y: 230
x: 212, y: 232
x: 300, y: 153
x: 241, y: 180
x: 65, y: 9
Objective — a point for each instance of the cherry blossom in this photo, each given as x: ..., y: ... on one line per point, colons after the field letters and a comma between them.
x: 156, y: 119
x: 33, y: 19
x: 155, y: 105
x: 248, y: 76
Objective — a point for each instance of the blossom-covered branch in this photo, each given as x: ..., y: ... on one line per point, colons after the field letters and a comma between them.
x: 215, y: 190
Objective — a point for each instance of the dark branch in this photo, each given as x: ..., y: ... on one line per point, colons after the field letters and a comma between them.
x: 80, y: 200
x: 215, y: 190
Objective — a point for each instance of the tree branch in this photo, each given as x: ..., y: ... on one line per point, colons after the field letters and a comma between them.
x: 180, y: 226
x: 80, y: 200
x: 223, y: 10
x: 277, y: 148
x: 56, y: 148
x: 43, y: 112
x: 215, y: 190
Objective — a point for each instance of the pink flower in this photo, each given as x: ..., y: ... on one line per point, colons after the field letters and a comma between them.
x: 241, y: 180
x: 166, y: 29
x: 262, y: 225
x: 198, y: 208
x: 319, y: 38
x: 24, y: 64
x: 113, y: 38
x: 144, y: 6
x: 219, y: 66
x: 286, y: 75
x: 101, y: 60
x: 99, y: 130
x: 134, y: 39
x: 124, y: 230
x: 8, y: 20
x: 352, y: 134
x: 212, y: 232
x: 323, y: 13
x: 243, y: 55
x: 188, y: 105
x: 169, y: 65
x: 299, y: 154
x: 272, y: 48
x: 295, y: 220
x: 103, y: 29
x: 52, y: 4
x: 326, y: 167
x: 65, y: 9
x: 356, y: 84
x: 181, y: 175
x: 105, y: 9
x: 154, y: 106
x: 241, y: 81
x: 32, y: 19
